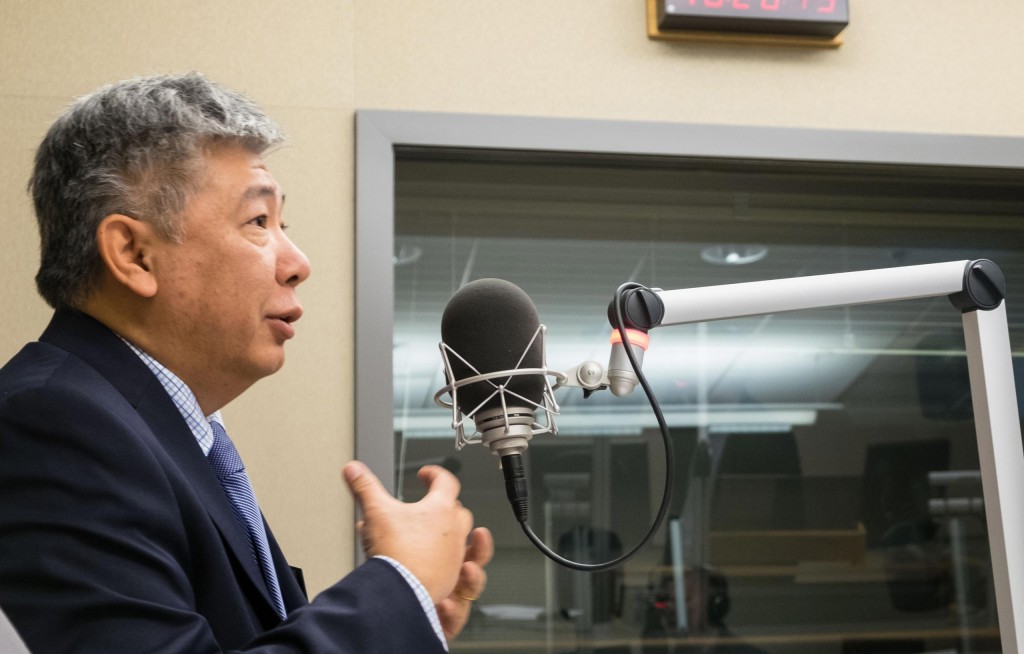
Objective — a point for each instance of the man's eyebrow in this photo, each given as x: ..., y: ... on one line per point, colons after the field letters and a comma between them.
x: 260, y: 191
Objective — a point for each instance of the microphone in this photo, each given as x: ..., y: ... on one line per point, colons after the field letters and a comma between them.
x: 492, y: 345
x: 497, y: 375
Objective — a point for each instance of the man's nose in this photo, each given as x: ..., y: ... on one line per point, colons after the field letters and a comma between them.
x: 292, y: 263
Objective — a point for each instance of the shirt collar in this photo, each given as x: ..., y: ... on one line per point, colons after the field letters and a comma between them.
x: 183, y: 399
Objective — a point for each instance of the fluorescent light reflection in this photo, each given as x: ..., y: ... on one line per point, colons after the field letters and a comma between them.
x: 632, y: 420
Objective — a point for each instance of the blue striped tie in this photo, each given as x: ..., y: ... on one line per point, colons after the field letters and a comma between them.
x: 229, y: 469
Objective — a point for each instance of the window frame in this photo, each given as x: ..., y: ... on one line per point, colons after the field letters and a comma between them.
x: 380, y: 132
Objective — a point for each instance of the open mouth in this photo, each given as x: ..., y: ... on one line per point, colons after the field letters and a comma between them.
x: 283, y: 322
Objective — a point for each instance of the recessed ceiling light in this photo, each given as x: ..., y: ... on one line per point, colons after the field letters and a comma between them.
x: 733, y: 255
x: 407, y: 254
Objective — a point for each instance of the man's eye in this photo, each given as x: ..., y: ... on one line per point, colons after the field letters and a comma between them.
x: 259, y: 221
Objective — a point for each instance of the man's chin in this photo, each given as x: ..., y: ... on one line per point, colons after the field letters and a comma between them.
x: 270, y: 363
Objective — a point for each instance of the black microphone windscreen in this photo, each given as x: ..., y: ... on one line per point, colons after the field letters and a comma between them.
x: 489, y: 323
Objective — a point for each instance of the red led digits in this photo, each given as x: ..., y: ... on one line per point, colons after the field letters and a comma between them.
x: 823, y: 19
x: 820, y: 6
x: 827, y: 7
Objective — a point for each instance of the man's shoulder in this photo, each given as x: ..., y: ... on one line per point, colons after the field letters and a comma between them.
x: 41, y: 362
x: 34, y: 366
x: 54, y: 404
x: 75, y: 354
x: 45, y: 384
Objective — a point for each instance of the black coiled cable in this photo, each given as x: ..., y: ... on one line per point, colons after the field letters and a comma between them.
x: 515, y: 478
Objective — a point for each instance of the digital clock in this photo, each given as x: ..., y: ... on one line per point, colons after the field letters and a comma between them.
x: 817, y: 18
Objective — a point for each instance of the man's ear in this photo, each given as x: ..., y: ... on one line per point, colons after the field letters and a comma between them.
x: 126, y: 247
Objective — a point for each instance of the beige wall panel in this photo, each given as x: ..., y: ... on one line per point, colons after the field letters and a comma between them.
x: 24, y: 121
x: 292, y: 53
x: 898, y: 69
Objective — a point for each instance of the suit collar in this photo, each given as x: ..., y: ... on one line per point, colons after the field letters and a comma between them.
x: 97, y: 345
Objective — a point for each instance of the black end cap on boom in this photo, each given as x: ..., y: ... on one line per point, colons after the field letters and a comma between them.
x: 642, y: 309
x: 984, y: 287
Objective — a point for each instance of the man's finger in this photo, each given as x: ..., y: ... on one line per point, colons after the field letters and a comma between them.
x: 472, y: 581
x: 481, y: 546
x: 440, y: 483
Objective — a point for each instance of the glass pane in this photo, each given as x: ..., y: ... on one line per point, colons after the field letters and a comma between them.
x: 826, y: 496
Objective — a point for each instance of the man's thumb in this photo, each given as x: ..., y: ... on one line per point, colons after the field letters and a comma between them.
x: 364, y: 484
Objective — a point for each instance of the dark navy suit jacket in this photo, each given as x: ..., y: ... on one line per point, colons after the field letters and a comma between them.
x: 115, y: 535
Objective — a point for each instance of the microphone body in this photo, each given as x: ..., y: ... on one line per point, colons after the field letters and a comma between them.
x: 497, y: 373
x: 505, y: 430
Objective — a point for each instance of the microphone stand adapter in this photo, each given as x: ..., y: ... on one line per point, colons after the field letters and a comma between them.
x: 505, y: 431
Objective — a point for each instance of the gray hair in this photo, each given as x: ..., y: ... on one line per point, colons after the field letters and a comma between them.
x: 134, y: 148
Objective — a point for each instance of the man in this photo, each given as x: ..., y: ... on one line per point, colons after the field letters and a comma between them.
x: 127, y: 523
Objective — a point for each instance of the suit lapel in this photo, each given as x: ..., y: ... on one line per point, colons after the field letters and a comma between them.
x: 95, y: 344
x: 293, y: 584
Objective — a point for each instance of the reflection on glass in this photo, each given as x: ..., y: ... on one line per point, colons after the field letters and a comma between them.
x: 827, y: 498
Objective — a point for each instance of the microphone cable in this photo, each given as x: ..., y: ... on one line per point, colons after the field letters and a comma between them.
x: 515, y: 478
